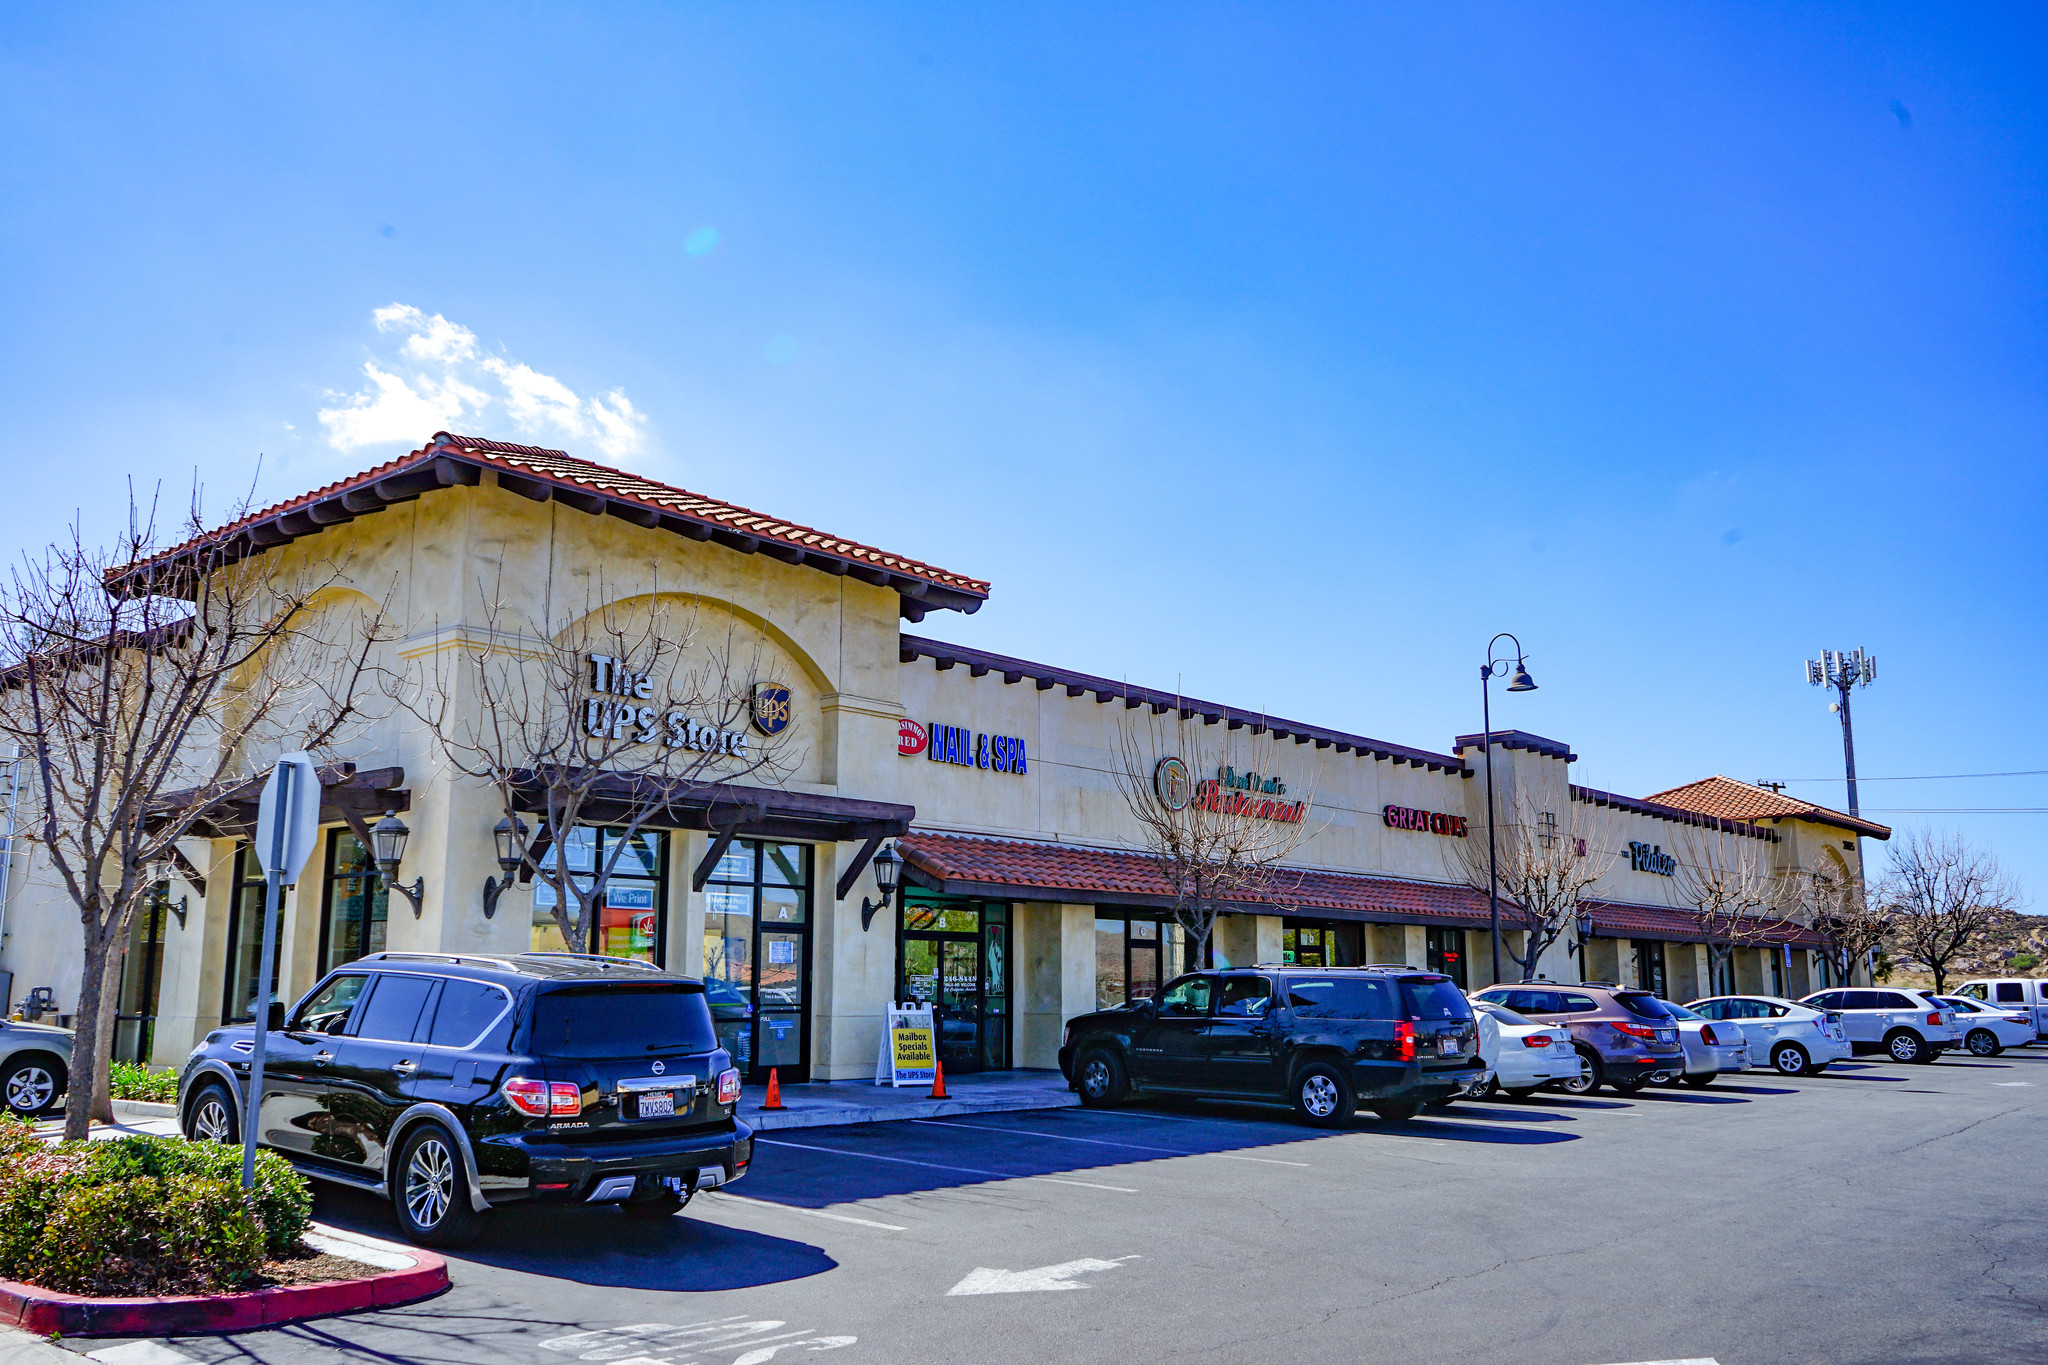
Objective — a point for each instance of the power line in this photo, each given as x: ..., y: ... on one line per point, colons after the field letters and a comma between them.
x: 1960, y: 810
x: 1923, y: 777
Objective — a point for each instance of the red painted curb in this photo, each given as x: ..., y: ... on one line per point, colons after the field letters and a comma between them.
x: 44, y: 1311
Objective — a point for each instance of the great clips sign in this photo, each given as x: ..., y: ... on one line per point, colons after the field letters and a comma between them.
x: 1427, y: 821
x: 961, y: 746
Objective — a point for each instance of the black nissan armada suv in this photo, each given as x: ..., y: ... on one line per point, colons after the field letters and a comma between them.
x: 1323, y: 1039
x: 456, y: 1084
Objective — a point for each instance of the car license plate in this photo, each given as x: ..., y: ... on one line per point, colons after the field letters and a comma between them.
x: 657, y: 1104
x: 1447, y: 1047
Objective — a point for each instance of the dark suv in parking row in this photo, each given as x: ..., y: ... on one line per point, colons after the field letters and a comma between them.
x: 452, y: 1084
x: 1321, y: 1039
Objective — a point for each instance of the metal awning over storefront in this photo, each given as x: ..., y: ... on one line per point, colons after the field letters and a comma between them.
x: 347, y: 795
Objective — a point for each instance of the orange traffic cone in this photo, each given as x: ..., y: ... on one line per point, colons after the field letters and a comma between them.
x: 774, y: 1100
x: 939, y: 1080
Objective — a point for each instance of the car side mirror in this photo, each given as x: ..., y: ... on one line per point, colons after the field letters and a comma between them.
x: 274, y: 1021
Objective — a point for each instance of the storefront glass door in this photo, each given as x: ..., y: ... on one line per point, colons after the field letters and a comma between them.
x: 1447, y: 954
x: 956, y: 958
x: 757, y: 957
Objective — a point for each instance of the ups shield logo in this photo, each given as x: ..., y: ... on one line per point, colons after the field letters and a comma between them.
x: 771, y: 708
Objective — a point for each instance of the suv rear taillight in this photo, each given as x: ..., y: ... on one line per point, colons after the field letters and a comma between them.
x: 1935, y: 1020
x: 1404, y: 1041
x: 1536, y: 1040
x: 540, y: 1099
x: 1707, y: 1036
x: 729, y: 1086
x: 1635, y: 1030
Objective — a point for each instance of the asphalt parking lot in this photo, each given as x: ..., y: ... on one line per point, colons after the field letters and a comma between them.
x: 1878, y: 1213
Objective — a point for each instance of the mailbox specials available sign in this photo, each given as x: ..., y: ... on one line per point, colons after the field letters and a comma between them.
x: 960, y: 745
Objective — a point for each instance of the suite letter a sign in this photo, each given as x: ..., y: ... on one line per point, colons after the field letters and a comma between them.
x: 905, y: 1056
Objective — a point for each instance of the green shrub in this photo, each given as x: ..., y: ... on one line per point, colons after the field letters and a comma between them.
x: 183, y: 1234
x: 2023, y: 962
x: 132, y: 1082
x: 283, y: 1197
x: 143, y: 1215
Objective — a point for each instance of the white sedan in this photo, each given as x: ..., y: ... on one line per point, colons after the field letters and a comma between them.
x: 1708, y: 1053
x: 1531, y: 1055
x: 1796, y: 1039
x: 1988, y: 1030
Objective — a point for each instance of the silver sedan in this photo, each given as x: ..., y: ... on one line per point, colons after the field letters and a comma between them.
x: 1709, y: 1052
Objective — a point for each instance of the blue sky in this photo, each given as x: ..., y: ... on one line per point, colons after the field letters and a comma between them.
x: 1283, y: 354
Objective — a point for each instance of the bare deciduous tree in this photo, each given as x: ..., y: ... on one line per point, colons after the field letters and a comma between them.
x: 1849, y: 925
x: 1547, y: 869
x: 1211, y: 815
x: 1727, y: 878
x: 611, y: 717
x: 142, y: 690
x: 1946, y: 895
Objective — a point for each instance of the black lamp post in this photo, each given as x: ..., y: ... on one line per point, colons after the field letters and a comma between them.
x: 1521, y: 682
x: 387, y: 848
x: 888, y: 866
x: 510, y: 834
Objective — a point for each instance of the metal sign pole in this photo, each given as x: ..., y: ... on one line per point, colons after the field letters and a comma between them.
x: 273, y: 894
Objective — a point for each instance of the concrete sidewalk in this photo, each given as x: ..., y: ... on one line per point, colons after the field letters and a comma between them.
x: 831, y: 1103
x: 821, y: 1104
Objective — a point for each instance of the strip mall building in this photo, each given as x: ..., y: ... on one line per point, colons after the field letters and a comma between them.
x: 1025, y: 899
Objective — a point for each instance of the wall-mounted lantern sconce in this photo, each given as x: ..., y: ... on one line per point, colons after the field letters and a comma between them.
x: 1586, y: 928
x: 161, y: 872
x: 387, y: 847
x: 511, y: 837
x: 888, y: 866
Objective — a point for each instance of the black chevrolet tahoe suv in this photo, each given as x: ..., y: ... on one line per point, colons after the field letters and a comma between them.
x: 1323, y: 1039
x: 455, y: 1084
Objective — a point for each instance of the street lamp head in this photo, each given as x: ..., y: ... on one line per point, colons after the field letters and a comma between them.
x: 1521, y: 682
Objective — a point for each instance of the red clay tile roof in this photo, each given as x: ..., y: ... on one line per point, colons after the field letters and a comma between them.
x: 968, y: 865
x: 1615, y: 920
x: 540, y: 474
x: 1733, y: 800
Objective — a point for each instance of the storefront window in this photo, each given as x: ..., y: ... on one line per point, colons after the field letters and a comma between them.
x: 757, y: 956
x: 629, y: 921
x: 355, y: 910
x: 1447, y: 954
x: 1650, y: 966
x: 954, y: 956
x: 1132, y: 956
x: 1321, y: 945
x: 245, y: 941
x: 142, y: 974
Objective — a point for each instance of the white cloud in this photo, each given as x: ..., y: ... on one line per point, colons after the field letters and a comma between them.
x: 442, y: 379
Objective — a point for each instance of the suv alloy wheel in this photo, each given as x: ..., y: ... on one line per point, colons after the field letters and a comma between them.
x: 1322, y: 1096
x: 429, y: 1190
x: 1904, y: 1045
x: 212, y: 1116
x: 1101, y: 1081
x: 1588, y: 1079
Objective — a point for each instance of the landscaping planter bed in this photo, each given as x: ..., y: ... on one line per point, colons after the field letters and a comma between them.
x: 422, y: 1275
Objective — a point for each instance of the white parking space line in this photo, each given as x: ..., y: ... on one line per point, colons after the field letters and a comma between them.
x: 1689, y: 1360
x: 1104, y: 1142
x: 737, y: 1199
x: 937, y: 1166
x: 140, y: 1353
x: 2006, y: 1083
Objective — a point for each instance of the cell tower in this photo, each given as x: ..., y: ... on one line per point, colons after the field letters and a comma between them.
x: 1844, y: 672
